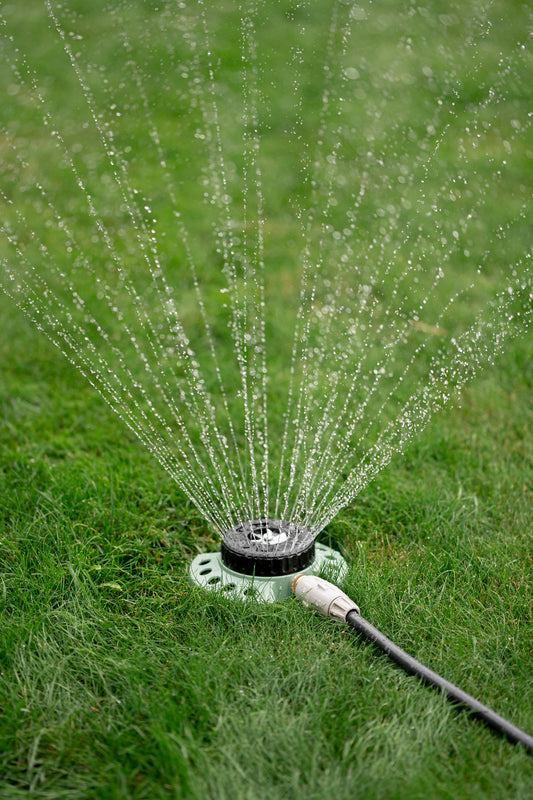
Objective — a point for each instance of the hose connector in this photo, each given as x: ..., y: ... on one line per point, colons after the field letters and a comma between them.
x: 324, y: 597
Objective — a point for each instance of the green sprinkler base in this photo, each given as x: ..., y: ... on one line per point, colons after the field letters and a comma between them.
x: 208, y: 571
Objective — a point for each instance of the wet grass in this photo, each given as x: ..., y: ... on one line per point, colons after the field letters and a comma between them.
x: 120, y: 680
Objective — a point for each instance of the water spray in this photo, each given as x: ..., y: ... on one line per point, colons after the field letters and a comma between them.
x: 271, y: 559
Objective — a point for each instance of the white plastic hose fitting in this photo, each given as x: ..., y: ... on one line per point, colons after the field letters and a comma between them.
x: 323, y: 596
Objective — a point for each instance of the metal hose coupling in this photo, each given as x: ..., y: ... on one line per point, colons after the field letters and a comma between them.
x: 324, y: 597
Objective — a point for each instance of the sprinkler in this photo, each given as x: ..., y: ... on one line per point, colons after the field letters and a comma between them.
x: 261, y: 557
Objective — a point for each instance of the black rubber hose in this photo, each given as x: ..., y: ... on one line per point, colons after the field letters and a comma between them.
x: 414, y: 667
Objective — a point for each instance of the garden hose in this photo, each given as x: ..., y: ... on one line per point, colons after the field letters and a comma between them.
x: 330, y: 601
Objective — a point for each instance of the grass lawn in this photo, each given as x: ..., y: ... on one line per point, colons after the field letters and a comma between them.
x: 117, y: 678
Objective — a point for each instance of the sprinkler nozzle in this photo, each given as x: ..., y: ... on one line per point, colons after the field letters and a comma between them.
x: 323, y: 596
x: 266, y: 548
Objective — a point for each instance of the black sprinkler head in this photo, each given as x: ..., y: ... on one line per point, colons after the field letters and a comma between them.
x: 267, y: 548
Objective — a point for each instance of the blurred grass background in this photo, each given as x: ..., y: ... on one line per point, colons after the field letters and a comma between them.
x: 120, y: 680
